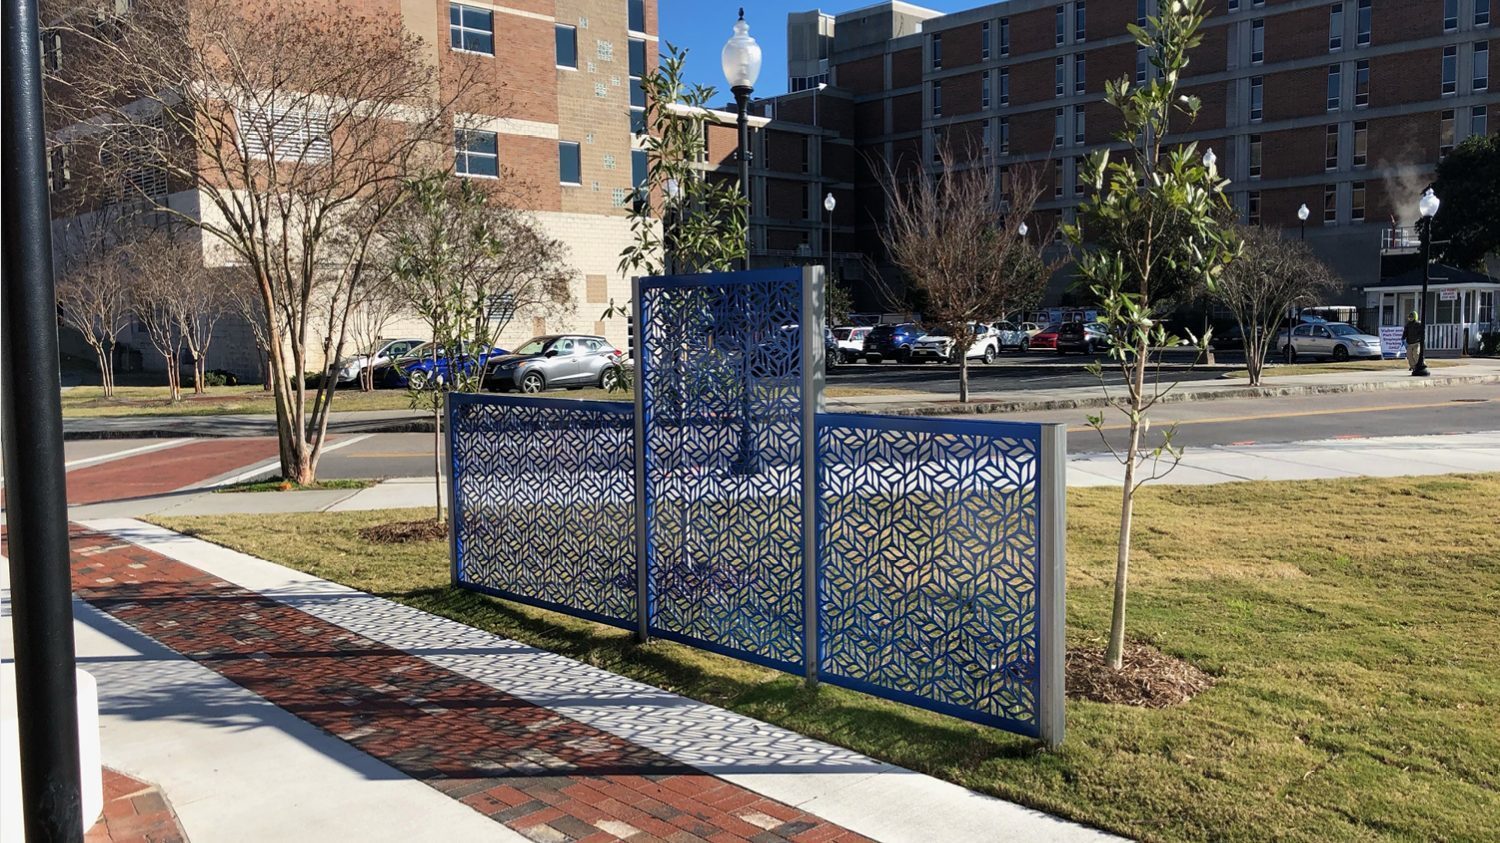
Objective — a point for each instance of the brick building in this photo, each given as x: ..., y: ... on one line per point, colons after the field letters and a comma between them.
x: 1344, y: 106
x: 565, y: 123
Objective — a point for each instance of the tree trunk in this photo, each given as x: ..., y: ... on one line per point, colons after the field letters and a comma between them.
x: 437, y: 458
x: 1115, y: 654
x: 266, y: 374
x: 963, y: 377
x: 198, y: 386
x: 107, y: 370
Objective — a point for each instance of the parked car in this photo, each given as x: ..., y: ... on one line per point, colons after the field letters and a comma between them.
x: 1082, y: 337
x: 851, y: 343
x: 938, y: 345
x: 1031, y: 328
x: 892, y: 340
x: 556, y: 360
x: 1046, y: 337
x: 379, y: 353
x: 417, y: 369
x: 1229, y: 339
x: 1011, y: 335
x: 1330, y: 339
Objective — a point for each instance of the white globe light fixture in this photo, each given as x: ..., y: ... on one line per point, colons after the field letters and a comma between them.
x: 1428, y: 207
x: 672, y: 188
x: 1302, y: 212
x: 741, y: 62
x: 1209, y: 158
x: 1022, y: 229
x: 1428, y: 204
x: 829, y: 203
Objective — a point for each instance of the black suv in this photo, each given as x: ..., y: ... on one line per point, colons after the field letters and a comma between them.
x: 894, y: 341
x: 1082, y: 337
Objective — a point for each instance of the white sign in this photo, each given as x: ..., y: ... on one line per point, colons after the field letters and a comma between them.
x: 1447, y: 295
x: 1391, y: 342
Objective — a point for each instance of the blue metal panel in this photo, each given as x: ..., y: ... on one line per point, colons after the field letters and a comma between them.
x: 720, y: 374
x: 543, y: 502
x: 929, y: 569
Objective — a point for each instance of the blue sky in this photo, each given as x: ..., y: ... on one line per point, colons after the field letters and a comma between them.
x: 702, y: 26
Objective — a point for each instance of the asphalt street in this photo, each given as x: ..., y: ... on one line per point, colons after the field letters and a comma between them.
x: 1458, y: 409
x: 1042, y: 369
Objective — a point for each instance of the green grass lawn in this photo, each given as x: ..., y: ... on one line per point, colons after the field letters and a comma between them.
x: 1351, y: 627
x: 1331, y: 368
x: 276, y: 484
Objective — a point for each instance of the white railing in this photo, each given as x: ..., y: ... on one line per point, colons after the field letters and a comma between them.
x: 1405, y: 238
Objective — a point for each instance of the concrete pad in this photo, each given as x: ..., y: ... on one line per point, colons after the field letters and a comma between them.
x: 398, y: 493
x: 254, y: 503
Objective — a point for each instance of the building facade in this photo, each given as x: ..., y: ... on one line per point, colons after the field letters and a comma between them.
x: 1346, y: 107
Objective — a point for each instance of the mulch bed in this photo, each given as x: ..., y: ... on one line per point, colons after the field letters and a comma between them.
x: 1148, y: 678
x: 399, y: 532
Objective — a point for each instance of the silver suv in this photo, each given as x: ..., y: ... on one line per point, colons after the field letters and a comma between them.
x: 559, y: 360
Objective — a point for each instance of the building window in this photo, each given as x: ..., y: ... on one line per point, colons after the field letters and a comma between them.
x: 1450, y: 69
x: 1080, y: 20
x: 1078, y: 125
x: 1062, y: 22
x: 1253, y: 215
x: 569, y: 163
x: 1080, y: 73
x: 1057, y: 179
x: 1059, y: 76
x: 639, y: 168
x: 637, y: 13
x: 1255, y: 156
x: 567, y: 46
x: 1256, y: 4
x: 1077, y: 177
x: 984, y: 41
x: 1005, y: 86
x: 1330, y: 203
x: 1257, y: 98
x: 1331, y: 148
x: 1481, y: 65
x: 1362, y: 23
x: 1450, y: 15
x: 471, y: 30
x: 937, y: 51
x: 1481, y: 12
x: 1234, y: 5
x: 1361, y: 144
x: 806, y: 152
x: 1445, y: 133
x: 1004, y: 37
x: 1004, y: 183
x: 937, y: 99
x: 1335, y: 27
x: 984, y: 137
x: 637, y: 92
x: 1335, y: 83
x: 1004, y: 135
x: 58, y: 175
x: 1478, y: 118
x: 938, y: 141
x: 1140, y: 65
x: 52, y: 50
x: 1257, y: 41
x: 1141, y: 12
x: 1357, y: 201
x: 1361, y: 83
x: 984, y: 90
x: 476, y: 153
x: 1057, y: 127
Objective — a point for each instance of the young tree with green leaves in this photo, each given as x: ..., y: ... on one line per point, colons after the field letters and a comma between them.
x: 1154, y: 218
x: 465, y: 263
x: 1468, y: 181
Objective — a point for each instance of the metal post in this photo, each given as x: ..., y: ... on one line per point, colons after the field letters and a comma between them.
x: 811, y: 319
x: 1420, y: 370
x: 742, y: 101
x: 36, y: 506
x: 1052, y: 502
x: 455, y: 546
x: 642, y: 545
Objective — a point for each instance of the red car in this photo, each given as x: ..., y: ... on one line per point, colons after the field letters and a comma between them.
x: 1046, y: 337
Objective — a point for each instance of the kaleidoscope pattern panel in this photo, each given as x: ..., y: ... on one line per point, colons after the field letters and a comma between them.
x: 722, y: 391
x: 929, y: 563
x: 544, y: 498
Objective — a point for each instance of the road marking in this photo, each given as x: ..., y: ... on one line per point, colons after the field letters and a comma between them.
x: 387, y: 454
x: 255, y: 472
x: 1291, y: 415
x: 154, y: 446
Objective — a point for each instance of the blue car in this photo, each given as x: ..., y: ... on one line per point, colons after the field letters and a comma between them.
x: 418, y: 370
x: 892, y: 340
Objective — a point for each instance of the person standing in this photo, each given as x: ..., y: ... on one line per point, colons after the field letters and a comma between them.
x: 1412, y: 335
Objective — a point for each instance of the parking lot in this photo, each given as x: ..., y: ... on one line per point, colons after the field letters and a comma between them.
x: 1039, y: 369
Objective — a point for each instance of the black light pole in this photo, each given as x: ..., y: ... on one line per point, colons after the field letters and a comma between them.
x: 741, y: 62
x: 1427, y: 206
x: 1291, y: 307
x: 741, y: 101
x: 36, y: 501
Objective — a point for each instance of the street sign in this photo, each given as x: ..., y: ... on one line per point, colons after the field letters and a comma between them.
x: 1447, y: 295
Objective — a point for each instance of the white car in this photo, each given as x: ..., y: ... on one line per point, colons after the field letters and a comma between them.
x: 1334, y: 340
x: 939, y: 346
x: 378, y: 354
x: 851, y: 343
x: 1031, y: 328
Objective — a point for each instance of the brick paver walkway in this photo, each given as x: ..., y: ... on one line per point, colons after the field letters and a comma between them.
x: 134, y: 812
x: 159, y: 472
x: 550, y: 778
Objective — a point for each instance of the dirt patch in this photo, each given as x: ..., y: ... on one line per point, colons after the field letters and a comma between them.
x: 400, y: 532
x: 1147, y: 678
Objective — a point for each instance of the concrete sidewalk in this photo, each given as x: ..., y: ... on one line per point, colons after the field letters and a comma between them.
x: 1376, y: 457
x: 1471, y: 370
x: 287, y: 707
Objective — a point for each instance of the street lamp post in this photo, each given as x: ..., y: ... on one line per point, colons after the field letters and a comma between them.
x: 1291, y: 307
x: 741, y: 61
x: 829, y: 203
x: 669, y: 224
x: 1428, y: 207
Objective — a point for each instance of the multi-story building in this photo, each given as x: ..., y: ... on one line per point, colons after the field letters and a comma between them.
x: 1345, y: 107
x: 567, y: 120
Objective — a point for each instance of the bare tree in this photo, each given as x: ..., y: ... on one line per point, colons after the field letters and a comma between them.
x: 160, y: 266
x: 466, y: 263
x: 94, y: 297
x: 297, y: 122
x: 1270, y: 276
x: 201, y: 301
x: 242, y: 294
x: 376, y: 307
x: 957, y: 240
